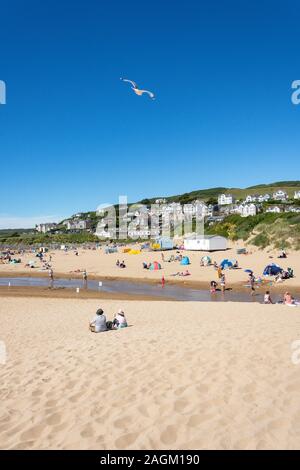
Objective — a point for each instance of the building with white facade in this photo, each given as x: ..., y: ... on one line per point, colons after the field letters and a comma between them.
x: 274, y: 209
x: 297, y: 195
x: 280, y: 195
x: 247, y: 210
x: 44, y: 228
x: 225, y: 199
x: 76, y: 224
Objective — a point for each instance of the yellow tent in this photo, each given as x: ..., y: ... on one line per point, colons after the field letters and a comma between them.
x: 134, y: 252
x: 155, y: 246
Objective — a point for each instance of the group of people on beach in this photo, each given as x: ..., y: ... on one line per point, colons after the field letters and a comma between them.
x: 99, y: 323
x: 287, y: 299
x: 120, y: 264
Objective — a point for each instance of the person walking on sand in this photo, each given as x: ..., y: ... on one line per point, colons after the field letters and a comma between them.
x: 163, y: 281
x: 51, y: 277
x: 223, y: 283
x: 219, y: 272
x: 84, y: 277
x: 213, y: 287
x: 267, y: 298
x: 252, y: 283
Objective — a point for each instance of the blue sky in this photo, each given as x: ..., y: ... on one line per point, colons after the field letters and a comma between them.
x: 72, y: 136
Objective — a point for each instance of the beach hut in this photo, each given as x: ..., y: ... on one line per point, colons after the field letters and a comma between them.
x: 185, y: 261
x: 155, y: 266
x: 163, y: 243
x: 206, y: 243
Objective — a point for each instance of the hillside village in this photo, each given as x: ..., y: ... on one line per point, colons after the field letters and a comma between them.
x: 175, y: 213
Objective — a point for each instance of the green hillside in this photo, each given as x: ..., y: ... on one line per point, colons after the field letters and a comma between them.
x: 240, y: 193
x: 263, y: 230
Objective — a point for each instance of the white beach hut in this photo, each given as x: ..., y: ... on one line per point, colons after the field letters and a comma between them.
x: 206, y: 243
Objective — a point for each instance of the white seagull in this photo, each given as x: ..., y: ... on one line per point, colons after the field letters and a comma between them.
x: 136, y: 90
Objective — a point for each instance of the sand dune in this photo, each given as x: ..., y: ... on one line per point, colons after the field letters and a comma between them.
x: 183, y: 376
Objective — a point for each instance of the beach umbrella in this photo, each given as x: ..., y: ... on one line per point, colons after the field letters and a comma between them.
x: 248, y: 271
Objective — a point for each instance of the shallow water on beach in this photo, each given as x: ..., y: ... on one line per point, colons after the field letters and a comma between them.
x: 141, y: 289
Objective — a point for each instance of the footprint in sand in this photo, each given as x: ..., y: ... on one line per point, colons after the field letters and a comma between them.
x: 87, y: 432
x: 169, y: 435
x: 126, y: 440
x: 197, y: 420
x: 122, y: 422
x: 54, y: 419
x: 33, y: 433
x: 180, y: 405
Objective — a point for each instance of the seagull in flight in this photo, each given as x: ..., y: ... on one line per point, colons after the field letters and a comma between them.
x: 136, y: 90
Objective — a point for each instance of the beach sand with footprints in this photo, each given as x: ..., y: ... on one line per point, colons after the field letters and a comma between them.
x: 182, y: 376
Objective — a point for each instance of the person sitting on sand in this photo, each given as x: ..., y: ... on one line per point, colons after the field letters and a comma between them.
x: 267, y: 298
x: 288, y: 299
x: 98, y: 324
x: 120, y: 320
x: 283, y: 254
x: 122, y: 265
x: 118, y: 263
x: 145, y: 266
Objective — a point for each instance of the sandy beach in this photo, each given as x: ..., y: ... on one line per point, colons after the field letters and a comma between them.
x: 103, y: 266
x: 183, y: 376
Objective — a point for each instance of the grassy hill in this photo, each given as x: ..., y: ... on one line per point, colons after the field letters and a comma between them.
x: 263, y: 230
x: 240, y: 193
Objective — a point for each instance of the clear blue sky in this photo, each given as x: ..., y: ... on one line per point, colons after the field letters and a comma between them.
x: 73, y: 136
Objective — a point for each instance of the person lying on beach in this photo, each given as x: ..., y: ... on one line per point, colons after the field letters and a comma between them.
x: 267, y: 298
x: 98, y: 323
x: 185, y: 273
x: 119, y: 320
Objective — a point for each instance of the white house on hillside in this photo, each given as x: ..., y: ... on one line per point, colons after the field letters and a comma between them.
x: 76, y: 224
x: 44, y: 228
x: 224, y: 199
x: 297, y: 195
x: 274, y: 209
x: 280, y: 195
x: 247, y: 210
x: 251, y: 198
x: 264, y: 198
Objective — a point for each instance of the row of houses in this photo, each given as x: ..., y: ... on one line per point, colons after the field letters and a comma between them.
x: 71, y: 225
x: 227, y: 199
